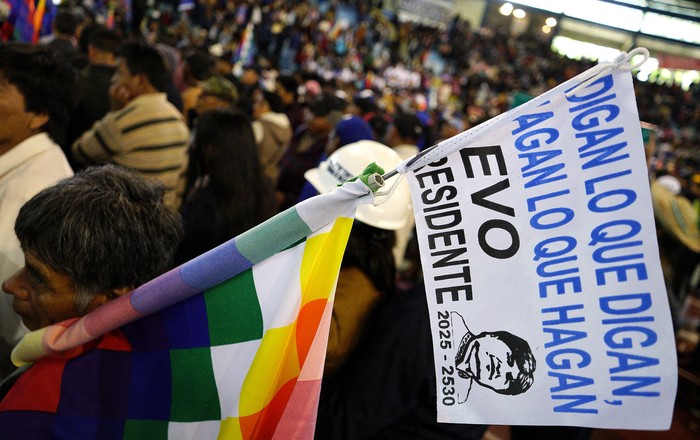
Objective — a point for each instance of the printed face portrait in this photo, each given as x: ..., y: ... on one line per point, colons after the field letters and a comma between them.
x: 490, y: 362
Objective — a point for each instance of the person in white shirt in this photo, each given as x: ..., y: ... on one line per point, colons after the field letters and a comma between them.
x: 36, y: 99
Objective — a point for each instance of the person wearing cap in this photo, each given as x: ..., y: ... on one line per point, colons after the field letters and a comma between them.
x: 365, y: 106
x: 426, y: 120
x: 306, y: 147
x: 350, y: 129
x: 217, y: 93
x: 368, y: 270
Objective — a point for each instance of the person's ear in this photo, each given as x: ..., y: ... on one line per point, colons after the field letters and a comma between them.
x: 143, y: 83
x: 105, y: 297
x: 37, y: 121
x: 140, y: 80
x: 116, y: 293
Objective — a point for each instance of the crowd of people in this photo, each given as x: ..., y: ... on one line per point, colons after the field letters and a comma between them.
x: 234, y: 109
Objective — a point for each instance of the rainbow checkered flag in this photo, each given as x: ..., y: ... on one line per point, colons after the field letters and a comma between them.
x: 230, y: 345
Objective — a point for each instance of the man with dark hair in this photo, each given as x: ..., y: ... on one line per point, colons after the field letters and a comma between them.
x: 36, y: 98
x: 87, y: 240
x: 64, y: 26
x: 496, y: 360
x: 144, y: 131
x: 93, y: 96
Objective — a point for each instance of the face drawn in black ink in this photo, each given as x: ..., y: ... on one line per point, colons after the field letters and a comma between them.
x: 496, y: 360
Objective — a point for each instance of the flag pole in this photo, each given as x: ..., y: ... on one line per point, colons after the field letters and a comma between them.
x: 395, y: 171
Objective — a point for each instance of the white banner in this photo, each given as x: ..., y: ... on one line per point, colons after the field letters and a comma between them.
x: 538, y: 246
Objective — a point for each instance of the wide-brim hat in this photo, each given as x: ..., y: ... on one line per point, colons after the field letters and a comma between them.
x: 676, y: 216
x: 349, y: 161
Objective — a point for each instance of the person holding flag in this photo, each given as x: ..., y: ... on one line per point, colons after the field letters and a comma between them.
x: 230, y: 344
x: 137, y: 234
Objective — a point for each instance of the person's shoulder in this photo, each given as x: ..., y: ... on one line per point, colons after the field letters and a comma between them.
x: 147, y: 99
x: 37, y: 156
x: 276, y: 119
x: 46, y: 169
x: 7, y: 383
x: 33, y: 175
x: 353, y: 279
x: 149, y: 105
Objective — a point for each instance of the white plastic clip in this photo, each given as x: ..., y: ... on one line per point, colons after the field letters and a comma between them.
x: 621, y: 62
x: 375, y: 181
x: 388, y: 193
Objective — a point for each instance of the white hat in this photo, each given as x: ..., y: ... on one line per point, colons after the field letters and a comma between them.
x: 349, y: 161
x: 671, y: 183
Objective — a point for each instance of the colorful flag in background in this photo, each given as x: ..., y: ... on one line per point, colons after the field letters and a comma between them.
x: 38, y: 20
x: 243, y: 360
x: 26, y: 22
x: 245, y: 53
x: 20, y: 23
x: 109, y: 21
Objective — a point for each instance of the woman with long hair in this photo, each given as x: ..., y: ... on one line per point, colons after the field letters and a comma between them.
x: 226, y: 190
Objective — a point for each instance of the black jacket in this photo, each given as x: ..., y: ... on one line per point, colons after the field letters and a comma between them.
x: 386, y: 389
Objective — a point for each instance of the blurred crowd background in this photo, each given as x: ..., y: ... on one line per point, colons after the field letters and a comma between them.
x: 358, y: 61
